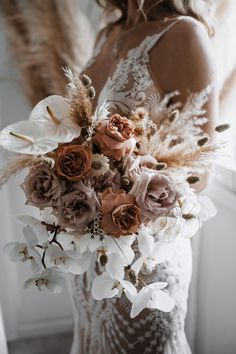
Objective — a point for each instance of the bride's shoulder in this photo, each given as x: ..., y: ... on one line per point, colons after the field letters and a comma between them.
x: 185, y: 53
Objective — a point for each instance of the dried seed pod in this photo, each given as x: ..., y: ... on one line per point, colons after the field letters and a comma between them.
x: 175, y: 142
x: 222, y: 127
x: 202, y: 141
x: 86, y: 81
x: 173, y: 115
x: 188, y: 216
x: 161, y: 166
x: 91, y: 92
x: 193, y: 179
x: 103, y: 259
x: 126, y: 183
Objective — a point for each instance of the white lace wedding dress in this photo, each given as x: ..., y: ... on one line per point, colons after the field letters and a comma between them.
x: 104, y: 327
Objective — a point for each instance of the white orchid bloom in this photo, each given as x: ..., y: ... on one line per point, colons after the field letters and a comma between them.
x: 68, y: 261
x: 152, y: 253
x: 151, y: 297
x: 53, y: 116
x: 167, y: 228
x: 120, y: 245
x: 36, y: 225
x: 25, y: 251
x: 26, y: 137
x: 111, y: 283
x: 50, y: 279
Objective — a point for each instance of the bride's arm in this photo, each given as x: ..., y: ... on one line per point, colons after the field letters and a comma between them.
x: 184, y: 60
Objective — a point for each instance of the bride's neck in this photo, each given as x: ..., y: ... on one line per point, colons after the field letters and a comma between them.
x: 135, y: 14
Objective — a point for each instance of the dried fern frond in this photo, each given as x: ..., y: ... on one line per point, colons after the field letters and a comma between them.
x: 80, y: 101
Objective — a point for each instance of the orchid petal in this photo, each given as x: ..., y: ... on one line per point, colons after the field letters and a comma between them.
x: 140, y: 301
x: 115, y: 266
x: 145, y: 242
x: 160, y: 300
x: 103, y: 287
x: 129, y: 289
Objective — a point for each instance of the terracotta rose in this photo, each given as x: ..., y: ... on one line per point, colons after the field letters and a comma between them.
x: 121, y: 215
x: 73, y: 162
x: 115, y: 137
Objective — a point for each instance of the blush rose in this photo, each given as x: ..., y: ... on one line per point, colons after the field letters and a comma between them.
x: 155, y: 194
x: 42, y: 187
x: 78, y: 207
x: 115, y: 137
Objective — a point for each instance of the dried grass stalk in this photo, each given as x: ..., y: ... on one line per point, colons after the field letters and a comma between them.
x: 44, y: 39
x: 80, y: 101
x: 15, y: 164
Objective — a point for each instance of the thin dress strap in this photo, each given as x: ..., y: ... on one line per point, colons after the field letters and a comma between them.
x: 166, y: 29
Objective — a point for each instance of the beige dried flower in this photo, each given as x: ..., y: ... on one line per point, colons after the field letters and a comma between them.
x: 99, y: 165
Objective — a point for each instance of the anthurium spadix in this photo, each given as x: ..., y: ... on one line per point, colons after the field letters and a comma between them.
x: 26, y: 137
x: 53, y: 115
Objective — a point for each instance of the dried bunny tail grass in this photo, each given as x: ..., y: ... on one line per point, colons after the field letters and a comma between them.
x: 80, y: 97
x: 16, y: 164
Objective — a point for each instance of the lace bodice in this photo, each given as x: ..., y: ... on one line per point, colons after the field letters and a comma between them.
x: 131, y: 82
x: 104, y: 327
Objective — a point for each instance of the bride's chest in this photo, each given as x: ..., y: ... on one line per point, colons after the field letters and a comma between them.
x: 120, y: 69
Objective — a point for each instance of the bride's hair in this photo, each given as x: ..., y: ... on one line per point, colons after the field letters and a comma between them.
x: 199, y: 9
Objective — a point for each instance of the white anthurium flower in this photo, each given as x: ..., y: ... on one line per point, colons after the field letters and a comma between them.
x: 51, y: 279
x: 111, y: 283
x: 153, y: 297
x: 68, y: 261
x: 26, y: 137
x: 190, y: 210
x: 53, y: 116
x: 108, y: 244
x: 25, y: 251
x: 208, y: 209
x: 167, y: 228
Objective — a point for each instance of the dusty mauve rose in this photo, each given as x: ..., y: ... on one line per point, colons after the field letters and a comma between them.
x: 115, y: 137
x: 73, y: 161
x: 121, y: 215
x: 155, y: 194
x: 78, y: 207
x: 42, y: 187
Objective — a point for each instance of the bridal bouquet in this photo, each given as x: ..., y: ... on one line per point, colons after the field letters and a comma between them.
x: 114, y: 192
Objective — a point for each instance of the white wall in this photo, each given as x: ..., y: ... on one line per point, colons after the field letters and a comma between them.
x: 216, y: 289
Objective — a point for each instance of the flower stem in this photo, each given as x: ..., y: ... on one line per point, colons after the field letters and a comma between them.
x: 120, y: 249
